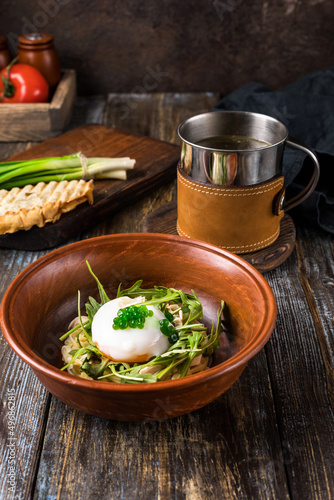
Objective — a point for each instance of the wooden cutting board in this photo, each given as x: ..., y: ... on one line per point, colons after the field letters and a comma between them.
x: 155, y: 163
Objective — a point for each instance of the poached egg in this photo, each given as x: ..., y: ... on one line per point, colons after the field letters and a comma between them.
x: 132, y: 345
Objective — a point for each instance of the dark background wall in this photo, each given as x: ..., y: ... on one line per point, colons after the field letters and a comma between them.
x: 180, y: 45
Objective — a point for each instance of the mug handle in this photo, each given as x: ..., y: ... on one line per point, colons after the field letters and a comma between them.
x: 300, y: 197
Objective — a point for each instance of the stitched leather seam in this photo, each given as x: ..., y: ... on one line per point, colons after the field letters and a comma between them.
x: 248, y: 191
x: 239, y: 247
x: 275, y: 183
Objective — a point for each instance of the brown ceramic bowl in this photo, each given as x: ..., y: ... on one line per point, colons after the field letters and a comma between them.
x: 42, y: 300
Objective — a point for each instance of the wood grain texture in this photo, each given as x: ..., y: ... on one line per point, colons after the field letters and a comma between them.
x: 155, y: 164
x: 141, y: 113
x: 210, y: 453
x: 24, y: 402
x: 39, y: 121
x: 268, y: 437
x: 300, y: 364
x: 177, y: 46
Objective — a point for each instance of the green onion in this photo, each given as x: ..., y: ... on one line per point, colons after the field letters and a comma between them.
x: 63, y: 168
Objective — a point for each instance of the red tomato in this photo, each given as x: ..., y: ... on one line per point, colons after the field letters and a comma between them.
x: 24, y: 84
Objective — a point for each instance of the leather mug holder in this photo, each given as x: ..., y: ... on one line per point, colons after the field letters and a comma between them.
x: 239, y: 219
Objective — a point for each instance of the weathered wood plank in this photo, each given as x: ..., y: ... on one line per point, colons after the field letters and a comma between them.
x: 24, y: 402
x: 156, y: 115
x: 88, y: 110
x: 226, y: 450
x: 19, y: 385
x: 301, y: 365
x: 10, y: 148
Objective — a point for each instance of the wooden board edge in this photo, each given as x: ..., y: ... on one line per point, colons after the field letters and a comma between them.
x: 49, y: 119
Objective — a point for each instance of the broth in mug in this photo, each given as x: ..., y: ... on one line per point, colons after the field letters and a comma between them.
x: 232, y: 143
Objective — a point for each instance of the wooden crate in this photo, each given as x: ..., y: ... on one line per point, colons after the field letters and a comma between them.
x: 40, y: 121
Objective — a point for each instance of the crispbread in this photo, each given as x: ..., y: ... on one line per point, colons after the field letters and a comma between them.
x: 22, y: 208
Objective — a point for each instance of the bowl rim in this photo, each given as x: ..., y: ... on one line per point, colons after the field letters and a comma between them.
x: 42, y: 367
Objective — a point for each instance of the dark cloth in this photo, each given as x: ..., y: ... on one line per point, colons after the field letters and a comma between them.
x: 306, y: 107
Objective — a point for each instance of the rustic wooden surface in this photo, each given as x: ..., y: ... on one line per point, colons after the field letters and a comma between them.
x: 155, y: 164
x: 269, y: 437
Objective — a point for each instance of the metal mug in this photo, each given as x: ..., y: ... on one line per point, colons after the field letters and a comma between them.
x: 239, y: 167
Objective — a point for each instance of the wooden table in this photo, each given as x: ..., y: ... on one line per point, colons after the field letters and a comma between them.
x: 269, y: 436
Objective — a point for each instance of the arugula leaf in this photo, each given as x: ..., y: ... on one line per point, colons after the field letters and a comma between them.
x: 194, y: 305
x: 175, y: 361
x: 160, y: 294
x: 194, y: 341
x: 94, y: 371
x: 219, y: 327
x: 83, y: 350
x: 91, y: 308
x: 133, y: 377
x: 86, y: 329
x: 74, y: 329
x: 212, y: 341
x: 104, y: 297
x: 169, y: 296
x: 131, y: 292
x: 149, y: 293
x: 138, y: 378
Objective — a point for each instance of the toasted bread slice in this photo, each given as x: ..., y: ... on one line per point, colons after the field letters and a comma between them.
x: 22, y: 208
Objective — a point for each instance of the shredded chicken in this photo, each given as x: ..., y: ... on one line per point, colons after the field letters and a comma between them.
x: 196, y: 361
x: 151, y: 369
x: 178, y: 317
